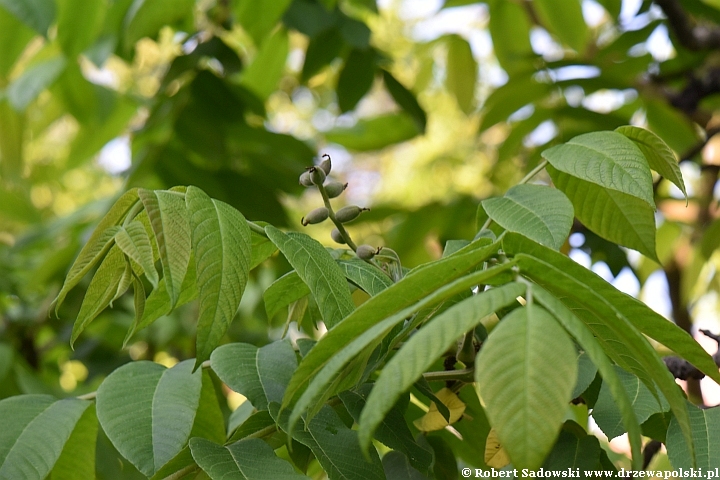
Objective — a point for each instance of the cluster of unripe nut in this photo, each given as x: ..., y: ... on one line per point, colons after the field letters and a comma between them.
x: 318, y: 177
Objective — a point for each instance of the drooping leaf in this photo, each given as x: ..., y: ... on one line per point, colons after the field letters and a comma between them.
x: 356, y: 78
x: 98, y: 244
x: 284, y: 291
x: 222, y: 248
x: 103, y: 289
x: 261, y: 374
x: 392, y: 431
x: 134, y: 241
x: 365, y: 276
x: 540, y: 213
x: 319, y: 271
x: 525, y: 374
x: 606, y: 413
x: 608, y: 159
x: 36, y: 429
x: 461, y: 72
x: 564, y: 18
x: 424, y: 347
x: 705, y: 427
x: 329, y: 370
x: 510, y: 31
x: 413, y: 287
x: 658, y: 154
x: 169, y: 221
x: 614, y: 216
x: 147, y: 411
x: 249, y: 459
x: 405, y: 99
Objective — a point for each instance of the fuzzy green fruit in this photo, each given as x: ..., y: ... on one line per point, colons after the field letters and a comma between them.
x: 317, y: 175
x: 349, y: 213
x: 334, y: 188
x: 306, y: 180
x: 336, y: 236
x: 326, y: 164
x: 367, y: 252
x: 316, y: 216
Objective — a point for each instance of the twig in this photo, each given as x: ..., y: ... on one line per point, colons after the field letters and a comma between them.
x: 691, y: 35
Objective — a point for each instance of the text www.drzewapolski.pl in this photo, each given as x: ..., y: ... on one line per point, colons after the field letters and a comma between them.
x: 707, y: 474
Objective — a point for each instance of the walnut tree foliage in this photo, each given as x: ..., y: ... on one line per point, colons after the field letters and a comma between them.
x: 491, y: 355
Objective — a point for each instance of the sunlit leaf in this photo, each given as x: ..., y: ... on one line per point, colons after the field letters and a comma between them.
x: 538, y: 212
x: 495, y: 454
x: 525, y: 374
x: 259, y: 18
x: 461, y: 72
x: 658, y: 154
x: 76, y: 32
x: 608, y: 159
x: 565, y: 19
x: 14, y: 36
x: 37, y: 14
x: 319, y: 271
x: 222, y: 248
x: 26, y: 88
x: 510, y: 31
x: 147, y: 411
x: 262, y: 75
x: 375, y: 133
x: 433, y: 420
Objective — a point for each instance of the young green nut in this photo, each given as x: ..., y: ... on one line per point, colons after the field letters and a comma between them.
x: 326, y: 164
x: 337, y: 236
x: 317, y: 175
x: 316, y: 216
x: 306, y: 179
x: 349, y: 213
x: 367, y: 252
x: 334, y: 188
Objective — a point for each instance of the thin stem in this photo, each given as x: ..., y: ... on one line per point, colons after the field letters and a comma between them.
x: 464, y: 375
x: 257, y: 228
x: 466, y: 353
x: 269, y: 430
x: 182, y: 472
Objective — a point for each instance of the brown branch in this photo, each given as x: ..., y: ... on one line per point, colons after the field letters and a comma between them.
x: 691, y: 35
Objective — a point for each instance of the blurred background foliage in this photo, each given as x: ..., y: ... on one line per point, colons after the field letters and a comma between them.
x: 426, y: 107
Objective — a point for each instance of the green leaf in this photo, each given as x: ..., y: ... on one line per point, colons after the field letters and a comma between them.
x: 99, y: 243
x: 263, y: 74
x: 337, y: 449
x: 525, y: 374
x: 405, y: 99
x: 147, y: 411
x: 658, y: 154
x: 424, y: 347
x: 259, y: 18
x: 615, y: 216
x: 23, y: 90
x: 571, y: 452
x: 284, y: 291
x: 615, y: 319
x: 462, y: 71
x: 515, y: 94
x: 398, y: 467
x: 564, y: 18
x: 261, y: 374
x: 540, y: 213
x: 356, y: 78
x: 76, y: 32
x: 169, y: 221
x: 221, y: 243
x: 705, y: 427
x: 607, y: 159
x: 593, y: 349
x: 258, y: 421
x: 510, y: 32
x: 36, y: 14
x: 262, y: 249
x: 249, y: 459
x: 14, y: 36
x: 670, y: 124
x: 587, y: 371
x: 644, y: 404
x: 392, y: 432
x: 103, y: 289
x: 368, y: 277
x: 146, y: 17
x: 36, y: 429
x: 321, y: 50
x: 77, y: 460
x: 375, y: 133
x: 134, y: 242
x: 417, y: 285
x: 319, y: 271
